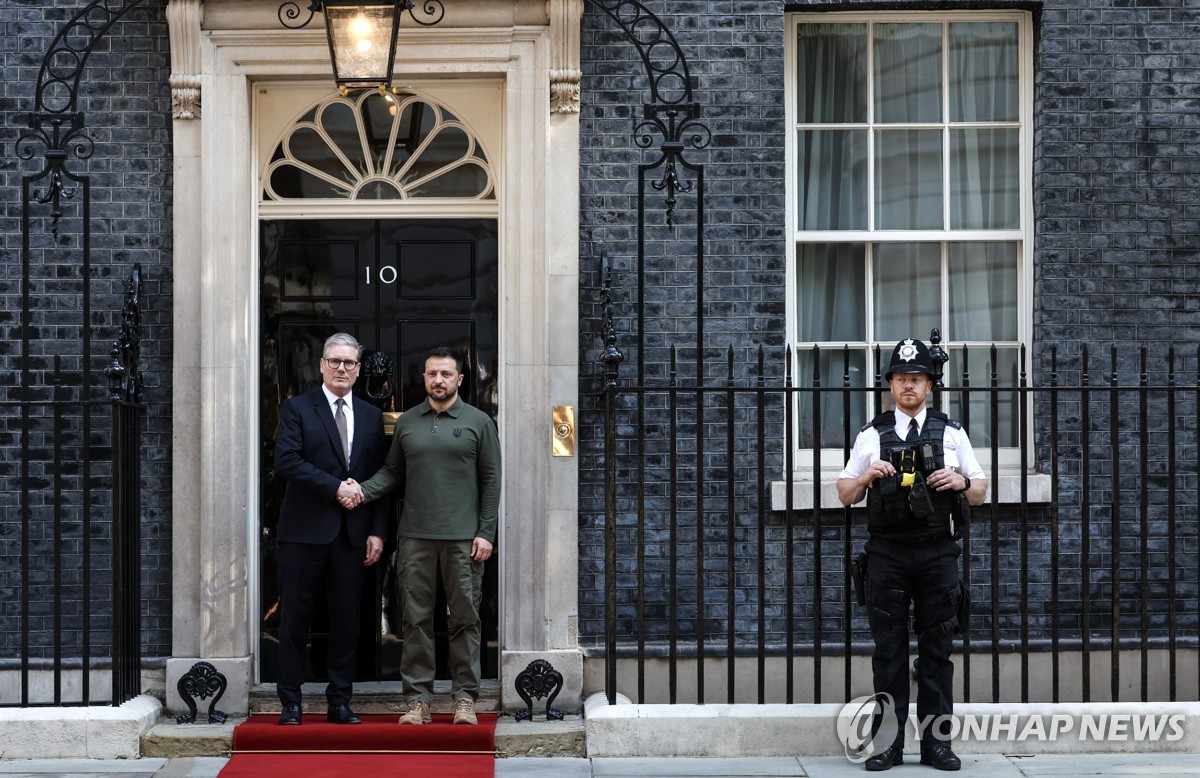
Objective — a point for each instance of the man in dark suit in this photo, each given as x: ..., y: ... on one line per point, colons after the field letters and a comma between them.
x: 326, y: 436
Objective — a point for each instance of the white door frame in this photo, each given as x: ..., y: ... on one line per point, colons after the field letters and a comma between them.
x: 216, y: 318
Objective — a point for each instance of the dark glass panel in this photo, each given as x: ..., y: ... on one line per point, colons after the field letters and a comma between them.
x: 290, y: 182
x: 443, y: 270
x: 449, y: 145
x: 467, y: 180
x: 318, y: 269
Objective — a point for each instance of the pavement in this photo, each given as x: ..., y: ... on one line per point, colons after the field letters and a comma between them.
x: 989, y: 765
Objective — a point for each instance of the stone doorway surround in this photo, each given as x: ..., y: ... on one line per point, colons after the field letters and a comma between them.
x: 220, y: 49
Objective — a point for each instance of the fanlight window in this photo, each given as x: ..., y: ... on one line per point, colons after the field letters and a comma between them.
x: 378, y: 147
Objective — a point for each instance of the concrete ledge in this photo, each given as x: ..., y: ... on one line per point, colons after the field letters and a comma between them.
x: 540, y: 738
x: 91, y: 732
x: 536, y: 738
x: 170, y: 740
x: 632, y: 730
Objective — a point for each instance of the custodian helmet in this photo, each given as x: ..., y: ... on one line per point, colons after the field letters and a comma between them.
x: 910, y: 356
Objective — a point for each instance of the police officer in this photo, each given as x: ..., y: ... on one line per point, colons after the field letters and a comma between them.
x: 915, y: 465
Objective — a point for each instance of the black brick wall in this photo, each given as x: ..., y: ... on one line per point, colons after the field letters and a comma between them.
x: 1117, y: 232
x: 1115, y: 164
x: 1116, y: 214
x: 736, y: 63
x: 126, y: 104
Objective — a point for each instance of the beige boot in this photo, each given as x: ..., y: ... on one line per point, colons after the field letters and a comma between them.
x: 418, y: 713
x: 464, y: 711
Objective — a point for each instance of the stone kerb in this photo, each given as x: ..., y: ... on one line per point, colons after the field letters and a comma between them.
x: 769, y: 730
x: 98, y: 732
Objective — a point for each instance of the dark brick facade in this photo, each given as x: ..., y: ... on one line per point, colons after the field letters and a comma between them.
x: 126, y: 104
x: 1115, y: 249
x: 1117, y: 228
x: 736, y: 62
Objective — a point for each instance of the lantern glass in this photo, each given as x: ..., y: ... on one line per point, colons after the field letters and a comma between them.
x: 362, y: 42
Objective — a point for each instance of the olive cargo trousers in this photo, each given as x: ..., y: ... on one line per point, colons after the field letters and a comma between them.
x: 419, y: 562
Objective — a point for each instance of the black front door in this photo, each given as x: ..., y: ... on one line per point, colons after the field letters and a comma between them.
x: 401, y: 287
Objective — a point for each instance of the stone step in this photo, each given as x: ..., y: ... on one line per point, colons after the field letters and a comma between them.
x: 375, y: 697
x: 537, y: 738
x: 169, y: 740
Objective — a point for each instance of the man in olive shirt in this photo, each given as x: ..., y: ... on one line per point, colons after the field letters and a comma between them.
x: 446, y: 456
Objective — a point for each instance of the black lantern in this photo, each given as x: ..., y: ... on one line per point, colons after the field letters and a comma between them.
x: 362, y: 42
x: 362, y: 35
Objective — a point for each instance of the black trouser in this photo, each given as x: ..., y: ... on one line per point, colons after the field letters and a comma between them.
x: 307, y: 571
x: 926, y: 575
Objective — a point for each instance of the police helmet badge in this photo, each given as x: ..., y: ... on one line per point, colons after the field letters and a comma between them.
x: 910, y: 356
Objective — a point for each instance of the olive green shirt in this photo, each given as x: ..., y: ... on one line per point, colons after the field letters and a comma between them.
x: 448, y: 465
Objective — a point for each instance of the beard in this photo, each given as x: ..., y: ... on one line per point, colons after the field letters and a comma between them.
x: 444, y: 394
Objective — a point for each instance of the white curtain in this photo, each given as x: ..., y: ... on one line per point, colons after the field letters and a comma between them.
x: 983, y: 86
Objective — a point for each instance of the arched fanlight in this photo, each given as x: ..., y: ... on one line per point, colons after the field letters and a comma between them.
x: 362, y: 36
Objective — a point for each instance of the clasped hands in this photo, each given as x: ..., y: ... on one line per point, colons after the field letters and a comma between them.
x: 350, y: 494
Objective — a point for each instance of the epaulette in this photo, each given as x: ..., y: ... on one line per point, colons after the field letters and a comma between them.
x: 939, y: 415
x: 866, y: 426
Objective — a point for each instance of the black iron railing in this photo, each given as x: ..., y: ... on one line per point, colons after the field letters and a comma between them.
x: 722, y: 547
x: 74, y: 595
x: 73, y: 600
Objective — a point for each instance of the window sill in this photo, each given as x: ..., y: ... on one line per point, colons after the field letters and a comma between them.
x: 1009, y: 486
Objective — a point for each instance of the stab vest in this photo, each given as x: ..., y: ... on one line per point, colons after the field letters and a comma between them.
x: 889, y: 512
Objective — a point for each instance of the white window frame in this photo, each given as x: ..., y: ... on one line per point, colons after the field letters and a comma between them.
x: 1023, y: 236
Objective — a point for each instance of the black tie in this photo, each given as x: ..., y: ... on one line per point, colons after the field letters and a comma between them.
x: 913, y: 432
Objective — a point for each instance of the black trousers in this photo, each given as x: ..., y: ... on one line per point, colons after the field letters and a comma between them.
x: 927, y: 576
x: 307, y: 571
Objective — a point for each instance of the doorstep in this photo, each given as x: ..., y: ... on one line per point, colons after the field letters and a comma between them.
x: 537, y: 738
x: 513, y: 739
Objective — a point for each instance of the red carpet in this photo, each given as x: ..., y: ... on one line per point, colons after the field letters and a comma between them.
x: 378, y: 746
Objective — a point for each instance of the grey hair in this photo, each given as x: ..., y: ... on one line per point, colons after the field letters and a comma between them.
x: 342, y: 339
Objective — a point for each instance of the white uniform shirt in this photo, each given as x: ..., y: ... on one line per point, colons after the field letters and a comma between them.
x: 957, y: 453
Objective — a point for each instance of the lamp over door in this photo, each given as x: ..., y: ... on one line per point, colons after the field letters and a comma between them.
x: 362, y: 42
x: 362, y: 35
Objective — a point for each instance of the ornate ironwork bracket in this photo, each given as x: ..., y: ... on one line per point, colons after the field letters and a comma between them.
x: 202, y: 681
x: 611, y: 356
x: 432, y: 12
x: 61, y: 136
x: 125, y: 383
x: 55, y: 123
x: 671, y: 113
x: 538, y: 680
x: 680, y: 130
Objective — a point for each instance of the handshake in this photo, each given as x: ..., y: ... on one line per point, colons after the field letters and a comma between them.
x: 350, y: 494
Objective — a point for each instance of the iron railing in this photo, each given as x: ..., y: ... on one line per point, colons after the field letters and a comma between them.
x: 1090, y: 559
x: 74, y: 500
x: 74, y: 497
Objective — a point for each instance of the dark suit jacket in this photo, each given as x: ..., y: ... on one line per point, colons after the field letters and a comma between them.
x: 308, y: 454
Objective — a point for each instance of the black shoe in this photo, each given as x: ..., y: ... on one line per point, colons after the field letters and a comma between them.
x: 940, y: 756
x: 886, y: 759
x: 291, y: 714
x: 341, y: 714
